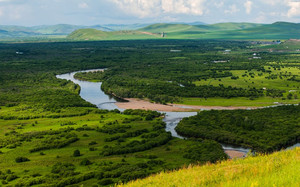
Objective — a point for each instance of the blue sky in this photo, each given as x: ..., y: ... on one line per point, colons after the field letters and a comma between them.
x: 92, y: 12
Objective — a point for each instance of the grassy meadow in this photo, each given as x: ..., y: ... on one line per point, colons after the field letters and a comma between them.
x: 106, y: 152
x: 274, y: 79
x: 277, y: 169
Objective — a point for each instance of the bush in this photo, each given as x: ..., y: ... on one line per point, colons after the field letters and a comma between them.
x: 22, y: 159
x: 76, y: 153
x: 85, y: 162
x: 92, y: 143
x: 11, y: 177
x: 106, y: 182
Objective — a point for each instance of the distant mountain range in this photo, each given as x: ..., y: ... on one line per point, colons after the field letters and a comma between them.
x: 196, y: 30
x: 9, y: 31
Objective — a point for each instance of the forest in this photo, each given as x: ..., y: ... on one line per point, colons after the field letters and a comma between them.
x: 263, y: 130
x: 50, y: 136
x: 203, y: 70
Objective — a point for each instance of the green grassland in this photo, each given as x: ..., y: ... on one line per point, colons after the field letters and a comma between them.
x: 236, y: 31
x: 48, y: 141
x: 93, y: 34
x: 43, y: 121
x: 230, y: 30
x: 247, y: 79
x: 236, y: 102
x: 277, y: 169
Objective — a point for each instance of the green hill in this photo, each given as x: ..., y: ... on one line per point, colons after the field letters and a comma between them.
x: 93, y: 34
x: 173, y: 31
x: 164, y: 27
x: 277, y: 169
x: 88, y: 34
x: 245, y: 31
x: 12, y: 32
x: 278, y: 30
x: 233, y: 26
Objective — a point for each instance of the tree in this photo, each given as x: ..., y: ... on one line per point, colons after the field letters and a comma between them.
x: 22, y: 159
x: 85, y: 162
x: 76, y: 153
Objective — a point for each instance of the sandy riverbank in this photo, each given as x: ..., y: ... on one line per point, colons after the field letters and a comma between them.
x: 146, y: 105
x: 235, y: 154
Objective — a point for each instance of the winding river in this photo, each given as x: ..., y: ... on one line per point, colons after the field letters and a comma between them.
x: 91, y: 92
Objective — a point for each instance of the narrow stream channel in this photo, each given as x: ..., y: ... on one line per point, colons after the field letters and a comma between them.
x: 91, y: 92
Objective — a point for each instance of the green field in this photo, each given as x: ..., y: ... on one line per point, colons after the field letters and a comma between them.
x: 237, y: 102
x: 253, y: 78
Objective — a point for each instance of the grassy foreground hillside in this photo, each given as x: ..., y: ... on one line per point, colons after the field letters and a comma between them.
x: 277, y: 169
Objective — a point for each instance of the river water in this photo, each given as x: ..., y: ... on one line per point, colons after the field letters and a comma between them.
x: 91, y: 92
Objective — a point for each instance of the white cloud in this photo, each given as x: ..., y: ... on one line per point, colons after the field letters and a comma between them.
x: 219, y: 4
x: 232, y: 9
x: 141, y: 8
x: 294, y: 9
x: 83, y: 5
x: 151, y: 8
x: 248, y: 5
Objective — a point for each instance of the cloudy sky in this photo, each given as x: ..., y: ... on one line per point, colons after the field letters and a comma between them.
x: 91, y: 12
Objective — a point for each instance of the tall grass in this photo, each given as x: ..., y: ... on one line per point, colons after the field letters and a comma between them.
x: 278, y: 169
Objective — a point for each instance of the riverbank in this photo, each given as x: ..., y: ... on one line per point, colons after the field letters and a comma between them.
x: 235, y: 154
x: 146, y: 105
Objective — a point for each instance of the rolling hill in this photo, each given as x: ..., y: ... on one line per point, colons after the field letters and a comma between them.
x: 93, y: 34
x: 161, y: 27
x: 60, y: 30
x: 244, y: 31
x: 278, y: 30
x: 277, y: 169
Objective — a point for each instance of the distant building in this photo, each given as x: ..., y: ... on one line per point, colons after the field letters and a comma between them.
x: 175, y: 51
x: 220, y: 61
x: 227, y: 51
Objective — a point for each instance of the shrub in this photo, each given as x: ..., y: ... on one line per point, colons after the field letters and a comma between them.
x: 106, y: 182
x: 85, y: 162
x: 76, y: 153
x: 92, y: 143
x: 22, y: 159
